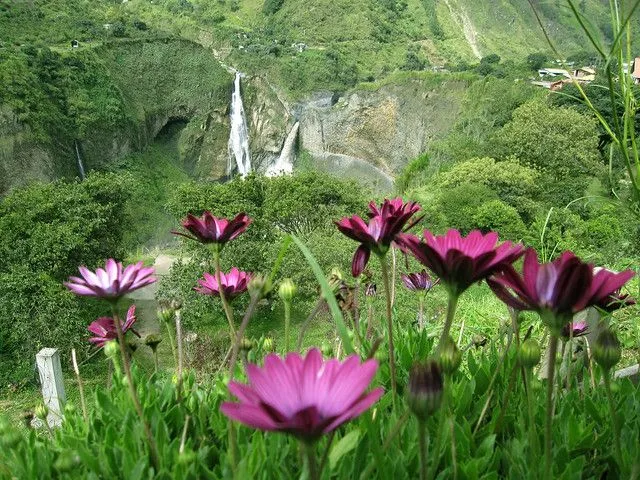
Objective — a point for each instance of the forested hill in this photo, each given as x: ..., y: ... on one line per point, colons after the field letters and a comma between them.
x: 315, y: 44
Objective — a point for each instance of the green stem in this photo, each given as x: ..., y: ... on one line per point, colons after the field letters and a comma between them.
x: 451, y: 311
x: 314, y: 472
x: 173, y: 346
x: 491, y: 384
x: 287, y: 325
x: 424, y: 448
x: 392, y: 361
x: 421, y: 322
x: 153, y: 448
x: 533, y: 439
x: 225, y: 305
x: 614, y: 420
x: 551, y: 364
x: 180, y: 352
x: 387, y: 443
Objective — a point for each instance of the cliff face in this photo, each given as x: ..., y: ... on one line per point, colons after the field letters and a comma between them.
x: 369, y: 133
x: 385, y: 126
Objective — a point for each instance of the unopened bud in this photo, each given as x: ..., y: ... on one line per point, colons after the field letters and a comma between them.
x: 111, y: 349
x: 267, y: 344
x: 41, y: 411
x: 606, y: 350
x: 327, y: 349
x: 259, y: 286
x: 287, y: 290
x: 425, y: 389
x: 165, y: 314
x: 529, y: 354
x: 246, y: 344
x: 450, y: 356
x: 152, y: 341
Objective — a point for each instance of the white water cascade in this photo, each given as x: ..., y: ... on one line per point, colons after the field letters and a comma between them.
x: 79, y: 160
x: 284, y: 163
x: 239, y: 135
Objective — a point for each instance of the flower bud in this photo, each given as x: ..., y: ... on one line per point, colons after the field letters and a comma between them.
x: 327, y: 349
x: 267, y: 344
x: 450, y: 356
x: 370, y: 290
x: 246, y: 344
x: 529, y: 354
x: 152, y: 341
x: 41, y: 412
x: 186, y: 457
x: 176, y: 304
x: 259, y: 286
x: 425, y: 389
x: 606, y: 350
x: 287, y: 290
x: 111, y: 349
x: 165, y: 314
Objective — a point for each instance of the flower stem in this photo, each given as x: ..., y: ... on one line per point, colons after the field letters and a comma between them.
x: 76, y: 370
x: 387, y: 291
x: 180, y: 352
x: 421, y: 312
x: 314, y: 473
x: 287, y: 325
x: 614, y: 420
x: 424, y: 448
x: 553, y: 350
x: 153, y: 448
x: 451, y: 311
x: 225, y: 305
x: 173, y: 346
x: 533, y: 439
x: 387, y: 443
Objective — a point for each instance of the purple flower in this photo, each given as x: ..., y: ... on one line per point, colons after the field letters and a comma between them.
x: 556, y: 290
x: 579, y: 329
x: 461, y: 261
x: 306, y: 397
x: 104, y: 328
x: 419, y: 282
x: 614, y: 301
x: 210, y: 229
x: 233, y: 284
x: 112, y: 282
x: 385, y: 223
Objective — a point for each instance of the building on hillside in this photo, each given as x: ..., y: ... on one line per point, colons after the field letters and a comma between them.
x: 554, y: 72
x: 585, y: 74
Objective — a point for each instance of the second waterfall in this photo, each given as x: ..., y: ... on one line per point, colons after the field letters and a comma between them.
x: 239, y: 135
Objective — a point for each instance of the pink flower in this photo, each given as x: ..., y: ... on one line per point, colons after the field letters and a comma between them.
x: 614, y: 301
x: 385, y: 223
x: 579, y: 329
x: 112, y: 282
x: 306, y: 397
x: 104, y: 328
x: 210, y: 229
x: 461, y: 261
x: 556, y: 290
x: 419, y: 282
x: 233, y: 283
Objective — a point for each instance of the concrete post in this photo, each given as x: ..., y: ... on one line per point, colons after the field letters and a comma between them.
x: 48, y: 361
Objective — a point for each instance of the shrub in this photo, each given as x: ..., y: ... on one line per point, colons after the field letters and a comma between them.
x: 498, y: 216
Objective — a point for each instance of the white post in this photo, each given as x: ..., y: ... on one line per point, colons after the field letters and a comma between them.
x: 48, y: 361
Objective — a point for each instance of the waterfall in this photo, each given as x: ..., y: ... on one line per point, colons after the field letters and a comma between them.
x: 79, y: 160
x: 284, y: 163
x: 239, y: 135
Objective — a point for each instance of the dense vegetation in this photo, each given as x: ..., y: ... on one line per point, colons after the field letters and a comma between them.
x: 549, y: 172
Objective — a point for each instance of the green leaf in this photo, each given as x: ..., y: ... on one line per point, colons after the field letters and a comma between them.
x: 344, y: 446
x: 328, y: 295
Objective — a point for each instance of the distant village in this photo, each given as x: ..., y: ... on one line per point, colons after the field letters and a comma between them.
x: 556, y: 78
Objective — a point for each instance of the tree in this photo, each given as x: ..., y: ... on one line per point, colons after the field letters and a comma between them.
x: 536, y: 61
